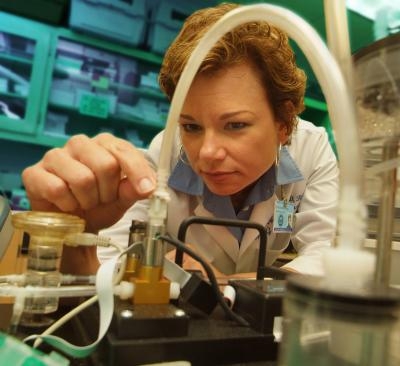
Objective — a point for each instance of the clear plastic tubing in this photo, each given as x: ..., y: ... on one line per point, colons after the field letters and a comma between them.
x: 351, y: 209
x: 20, y: 279
x: 37, y: 291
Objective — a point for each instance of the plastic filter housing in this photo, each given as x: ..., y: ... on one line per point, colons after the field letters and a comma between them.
x: 46, y: 232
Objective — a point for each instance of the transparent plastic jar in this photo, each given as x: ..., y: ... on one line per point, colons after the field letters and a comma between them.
x: 327, y: 327
x: 46, y: 232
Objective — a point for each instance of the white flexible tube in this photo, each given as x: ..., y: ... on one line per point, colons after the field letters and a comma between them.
x: 66, y: 317
x: 351, y: 210
x: 337, y: 34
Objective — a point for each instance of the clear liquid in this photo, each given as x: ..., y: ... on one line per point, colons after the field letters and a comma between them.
x: 43, y: 264
x: 42, y: 305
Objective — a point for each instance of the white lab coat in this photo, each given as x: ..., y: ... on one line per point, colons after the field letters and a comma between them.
x: 315, y: 198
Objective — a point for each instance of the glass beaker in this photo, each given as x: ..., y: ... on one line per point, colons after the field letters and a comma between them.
x: 327, y: 327
x: 377, y: 92
x: 46, y: 232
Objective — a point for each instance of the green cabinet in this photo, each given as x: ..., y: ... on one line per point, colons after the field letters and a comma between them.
x: 23, y: 62
x: 55, y: 83
x: 93, y: 86
x: 316, y: 111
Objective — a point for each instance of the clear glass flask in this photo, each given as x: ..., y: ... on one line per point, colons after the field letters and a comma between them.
x: 377, y: 93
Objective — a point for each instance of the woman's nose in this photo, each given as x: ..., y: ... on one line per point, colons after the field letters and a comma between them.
x: 212, y: 147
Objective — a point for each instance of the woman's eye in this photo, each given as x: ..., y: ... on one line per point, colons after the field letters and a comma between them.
x: 190, y: 127
x: 236, y: 125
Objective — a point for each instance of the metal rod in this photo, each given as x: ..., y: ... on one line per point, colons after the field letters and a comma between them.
x: 386, y: 215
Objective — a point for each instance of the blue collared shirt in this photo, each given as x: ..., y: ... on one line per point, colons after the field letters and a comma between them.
x: 184, y: 179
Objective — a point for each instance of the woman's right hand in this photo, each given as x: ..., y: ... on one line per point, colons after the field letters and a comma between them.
x: 97, y: 179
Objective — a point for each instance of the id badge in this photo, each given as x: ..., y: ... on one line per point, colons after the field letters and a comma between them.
x: 283, y: 217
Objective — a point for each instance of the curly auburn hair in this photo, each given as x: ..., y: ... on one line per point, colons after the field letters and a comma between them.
x: 259, y: 43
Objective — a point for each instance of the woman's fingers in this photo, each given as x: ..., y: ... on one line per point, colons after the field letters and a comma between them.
x: 99, y: 172
x: 45, y: 187
x: 89, y: 175
x: 132, y: 163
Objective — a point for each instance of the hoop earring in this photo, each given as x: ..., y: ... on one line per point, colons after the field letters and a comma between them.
x: 278, y: 155
x: 182, y: 156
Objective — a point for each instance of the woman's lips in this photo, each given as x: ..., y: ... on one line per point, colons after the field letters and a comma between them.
x: 217, y: 177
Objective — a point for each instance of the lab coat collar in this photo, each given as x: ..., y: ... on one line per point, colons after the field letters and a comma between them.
x: 184, y: 179
x: 288, y: 171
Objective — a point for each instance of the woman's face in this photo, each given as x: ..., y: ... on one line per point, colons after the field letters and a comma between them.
x: 228, y: 129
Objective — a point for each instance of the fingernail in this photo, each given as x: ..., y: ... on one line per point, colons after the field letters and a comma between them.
x: 146, y: 185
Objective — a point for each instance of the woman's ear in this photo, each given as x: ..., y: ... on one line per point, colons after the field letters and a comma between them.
x: 283, y: 136
x: 286, y: 123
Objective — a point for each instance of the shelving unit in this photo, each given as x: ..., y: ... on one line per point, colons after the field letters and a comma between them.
x: 23, y: 60
x: 95, y: 88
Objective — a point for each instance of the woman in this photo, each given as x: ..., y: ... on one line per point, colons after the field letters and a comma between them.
x: 241, y: 152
